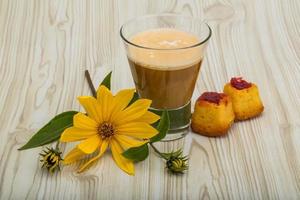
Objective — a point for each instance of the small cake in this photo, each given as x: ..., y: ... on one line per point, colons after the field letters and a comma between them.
x: 245, y: 98
x: 213, y: 114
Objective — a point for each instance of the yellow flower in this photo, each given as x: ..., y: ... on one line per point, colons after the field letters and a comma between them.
x: 110, y: 123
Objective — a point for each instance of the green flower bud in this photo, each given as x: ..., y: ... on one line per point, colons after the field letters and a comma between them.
x: 50, y: 159
x: 177, y: 163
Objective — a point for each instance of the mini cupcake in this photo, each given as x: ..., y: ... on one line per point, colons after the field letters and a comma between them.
x: 245, y: 98
x: 213, y: 114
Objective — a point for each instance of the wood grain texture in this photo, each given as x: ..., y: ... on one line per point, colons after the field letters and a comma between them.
x: 45, y: 46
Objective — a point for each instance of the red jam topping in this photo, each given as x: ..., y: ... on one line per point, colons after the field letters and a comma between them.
x: 212, y: 97
x: 239, y: 83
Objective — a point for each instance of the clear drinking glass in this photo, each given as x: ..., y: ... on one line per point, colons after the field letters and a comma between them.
x: 165, y: 53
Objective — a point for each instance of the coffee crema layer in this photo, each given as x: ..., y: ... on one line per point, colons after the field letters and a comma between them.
x: 169, y: 49
x: 167, y: 72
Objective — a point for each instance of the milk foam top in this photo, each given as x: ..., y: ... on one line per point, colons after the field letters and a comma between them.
x: 163, y: 49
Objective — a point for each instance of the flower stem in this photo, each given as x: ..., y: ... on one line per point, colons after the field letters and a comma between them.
x: 90, y: 82
x: 57, y: 145
x: 157, y: 151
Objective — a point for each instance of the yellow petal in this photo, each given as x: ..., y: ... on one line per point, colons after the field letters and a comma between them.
x: 149, y: 117
x: 133, y: 112
x: 128, y: 142
x: 103, y: 148
x: 89, y: 145
x: 123, y: 163
x: 74, y: 134
x: 82, y: 121
x: 121, y: 100
x: 139, y: 130
x: 92, y: 107
x: 73, y: 156
x: 105, y: 100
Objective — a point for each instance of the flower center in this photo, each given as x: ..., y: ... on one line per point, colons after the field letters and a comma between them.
x: 106, y: 130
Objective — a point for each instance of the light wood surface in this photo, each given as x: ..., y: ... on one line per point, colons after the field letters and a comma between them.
x: 45, y: 46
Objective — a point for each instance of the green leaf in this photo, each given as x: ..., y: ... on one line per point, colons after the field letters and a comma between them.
x: 106, y: 81
x: 134, y: 98
x: 162, y: 127
x: 137, y: 154
x: 51, y: 131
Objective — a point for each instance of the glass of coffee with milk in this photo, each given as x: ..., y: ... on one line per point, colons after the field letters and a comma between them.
x: 165, y: 53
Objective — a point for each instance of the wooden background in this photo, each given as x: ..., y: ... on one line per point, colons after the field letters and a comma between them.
x: 45, y: 46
